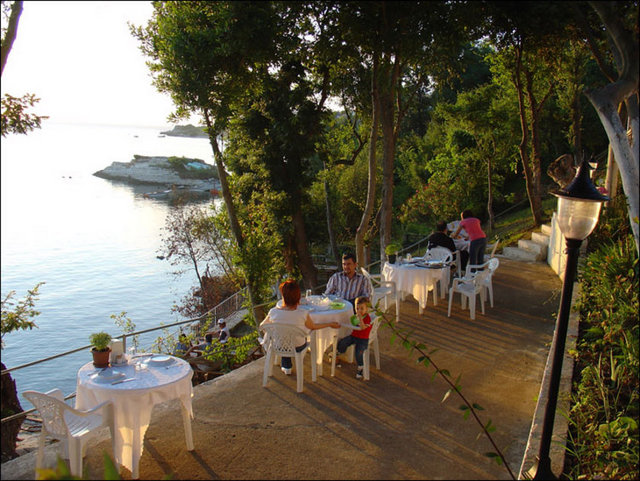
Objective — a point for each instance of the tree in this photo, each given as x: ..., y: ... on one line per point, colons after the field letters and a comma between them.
x: 205, y: 55
x: 15, y: 116
x: 619, y: 20
x: 14, y: 317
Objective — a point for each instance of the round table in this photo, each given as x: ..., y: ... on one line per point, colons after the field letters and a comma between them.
x: 415, y: 280
x: 134, y: 389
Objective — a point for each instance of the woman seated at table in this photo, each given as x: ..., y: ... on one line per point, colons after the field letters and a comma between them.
x: 289, y: 314
x: 476, y: 235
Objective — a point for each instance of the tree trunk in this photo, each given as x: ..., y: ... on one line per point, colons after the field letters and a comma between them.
x: 625, y: 152
x: 258, y: 314
x: 606, y: 100
x: 534, y: 203
x: 10, y: 34
x: 371, y: 185
x: 10, y: 405
x: 387, y: 96
x: 490, y: 196
x: 308, y: 270
x: 332, y: 236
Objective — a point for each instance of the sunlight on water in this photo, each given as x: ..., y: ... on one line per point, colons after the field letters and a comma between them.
x: 94, y: 242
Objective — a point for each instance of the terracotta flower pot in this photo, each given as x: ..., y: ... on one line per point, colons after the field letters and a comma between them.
x: 101, y: 358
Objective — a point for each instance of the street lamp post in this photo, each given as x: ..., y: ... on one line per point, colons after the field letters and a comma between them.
x: 578, y: 210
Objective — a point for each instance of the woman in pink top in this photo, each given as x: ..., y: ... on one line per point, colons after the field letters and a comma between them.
x: 476, y: 235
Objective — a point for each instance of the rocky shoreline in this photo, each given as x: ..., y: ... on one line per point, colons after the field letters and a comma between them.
x: 155, y: 171
x: 186, y: 131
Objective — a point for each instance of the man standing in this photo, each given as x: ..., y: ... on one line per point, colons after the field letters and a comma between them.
x: 348, y: 284
x: 440, y: 238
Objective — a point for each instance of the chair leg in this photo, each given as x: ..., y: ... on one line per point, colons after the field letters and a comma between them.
x: 376, y: 353
x: 300, y: 372
x: 450, y: 300
x: 75, y: 456
x: 483, y: 298
x: 188, y: 433
x: 268, y: 368
x: 397, y: 308
x: 472, y: 306
x: 490, y: 288
x: 40, y: 455
x: 334, y: 355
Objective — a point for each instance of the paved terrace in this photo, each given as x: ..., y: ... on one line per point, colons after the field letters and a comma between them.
x: 391, y: 427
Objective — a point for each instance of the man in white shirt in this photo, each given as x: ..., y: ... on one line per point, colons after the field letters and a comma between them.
x: 348, y: 284
x: 223, y: 334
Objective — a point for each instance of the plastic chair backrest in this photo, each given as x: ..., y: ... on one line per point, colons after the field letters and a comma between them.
x: 375, y: 324
x: 283, y: 338
x: 439, y: 253
x: 493, y: 264
x: 51, y: 410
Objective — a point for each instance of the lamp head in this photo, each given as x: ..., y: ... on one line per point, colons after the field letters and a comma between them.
x: 579, y: 205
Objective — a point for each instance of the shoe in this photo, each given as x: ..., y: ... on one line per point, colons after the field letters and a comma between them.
x: 286, y: 370
x: 359, y: 374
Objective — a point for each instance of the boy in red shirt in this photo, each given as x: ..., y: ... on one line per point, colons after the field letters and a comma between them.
x: 359, y: 336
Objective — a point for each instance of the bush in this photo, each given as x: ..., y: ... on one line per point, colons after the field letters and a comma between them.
x: 603, y: 437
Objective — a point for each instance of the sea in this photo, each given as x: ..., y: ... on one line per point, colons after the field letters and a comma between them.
x: 95, y: 243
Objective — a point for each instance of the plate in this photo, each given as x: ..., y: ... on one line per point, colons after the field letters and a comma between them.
x: 161, y: 360
x: 106, y: 376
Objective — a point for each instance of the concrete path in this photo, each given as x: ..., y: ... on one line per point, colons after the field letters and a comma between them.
x: 391, y: 427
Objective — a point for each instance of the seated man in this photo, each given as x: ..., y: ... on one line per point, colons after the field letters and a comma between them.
x: 198, y: 349
x: 442, y: 239
x: 182, y: 346
x: 348, y: 284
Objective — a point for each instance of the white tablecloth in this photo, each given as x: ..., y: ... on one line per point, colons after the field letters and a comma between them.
x: 461, y: 244
x: 133, y: 401
x: 321, y: 339
x: 417, y: 281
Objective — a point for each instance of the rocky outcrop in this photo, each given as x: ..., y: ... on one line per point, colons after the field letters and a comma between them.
x: 186, y: 131
x: 154, y: 171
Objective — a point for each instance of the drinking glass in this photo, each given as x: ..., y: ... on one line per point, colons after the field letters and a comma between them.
x: 308, y: 294
x: 408, y: 257
x: 131, y: 351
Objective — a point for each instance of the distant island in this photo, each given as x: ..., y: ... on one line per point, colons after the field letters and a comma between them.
x: 194, y: 174
x: 186, y: 131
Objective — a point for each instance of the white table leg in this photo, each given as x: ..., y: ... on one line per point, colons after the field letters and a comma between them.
x: 186, y: 420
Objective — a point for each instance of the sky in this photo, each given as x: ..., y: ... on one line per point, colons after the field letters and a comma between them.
x: 81, y: 60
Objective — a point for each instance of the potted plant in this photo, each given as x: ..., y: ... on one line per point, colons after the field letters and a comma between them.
x: 391, y: 250
x: 101, y: 350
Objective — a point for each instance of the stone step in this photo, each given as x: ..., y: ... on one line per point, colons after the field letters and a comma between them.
x: 517, y: 254
x: 546, y: 229
x: 539, y: 250
x: 540, y: 238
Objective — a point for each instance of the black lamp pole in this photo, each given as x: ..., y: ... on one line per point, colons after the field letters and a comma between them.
x: 578, y: 216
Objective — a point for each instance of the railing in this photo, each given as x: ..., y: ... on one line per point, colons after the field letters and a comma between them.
x: 227, y: 307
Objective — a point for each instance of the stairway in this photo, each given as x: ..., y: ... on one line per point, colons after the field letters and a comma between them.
x: 534, y: 250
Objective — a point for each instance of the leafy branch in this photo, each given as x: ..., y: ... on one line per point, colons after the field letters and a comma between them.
x: 468, y: 407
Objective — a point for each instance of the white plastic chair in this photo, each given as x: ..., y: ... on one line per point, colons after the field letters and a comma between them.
x: 492, y: 265
x: 61, y: 421
x: 373, y: 344
x: 381, y: 289
x: 470, y: 287
x: 282, y: 340
x: 446, y: 256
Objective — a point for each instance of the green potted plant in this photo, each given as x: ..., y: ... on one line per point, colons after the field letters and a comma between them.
x: 101, y: 349
x: 391, y: 250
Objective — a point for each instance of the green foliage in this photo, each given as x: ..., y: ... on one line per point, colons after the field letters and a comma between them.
x: 19, y: 316
x: 16, y: 119
x: 604, y: 412
x: 61, y: 470
x: 100, y: 340
x: 392, y: 248
x: 127, y: 325
x: 232, y: 353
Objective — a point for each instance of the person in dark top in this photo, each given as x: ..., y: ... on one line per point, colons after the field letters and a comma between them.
x: 442, y: 239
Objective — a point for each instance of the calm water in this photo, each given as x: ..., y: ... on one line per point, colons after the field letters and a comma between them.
x: 94, y: 242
